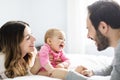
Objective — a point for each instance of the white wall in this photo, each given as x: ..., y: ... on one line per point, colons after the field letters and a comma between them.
x: 40, y: 14
x: 47, y: 14
x: 68, y: 15
x: 77, y: 32
x: 74, y: 29
x: 76, y: 22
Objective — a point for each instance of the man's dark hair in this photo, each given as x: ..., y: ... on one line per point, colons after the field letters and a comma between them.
x: 104, y: 10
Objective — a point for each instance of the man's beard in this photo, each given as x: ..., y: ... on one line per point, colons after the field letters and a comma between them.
x: 102, y: 41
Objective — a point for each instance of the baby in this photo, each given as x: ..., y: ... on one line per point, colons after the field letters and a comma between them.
x: 51, y: 54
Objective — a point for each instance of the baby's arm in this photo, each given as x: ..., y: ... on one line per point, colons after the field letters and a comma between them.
x: 66, y: 61
x: 64, y: 64
x: 45, y: 59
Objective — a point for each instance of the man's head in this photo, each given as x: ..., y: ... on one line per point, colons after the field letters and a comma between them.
x: 102, y: 15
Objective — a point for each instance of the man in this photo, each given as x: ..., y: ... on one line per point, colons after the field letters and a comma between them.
x: 103, y: 24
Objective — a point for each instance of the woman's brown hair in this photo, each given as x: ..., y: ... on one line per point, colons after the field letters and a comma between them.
x: 11, y: 35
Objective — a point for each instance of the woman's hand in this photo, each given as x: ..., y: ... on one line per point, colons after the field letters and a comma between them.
x: 34, y: 55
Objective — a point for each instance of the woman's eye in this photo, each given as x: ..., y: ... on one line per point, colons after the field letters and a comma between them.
x: 28, y: 37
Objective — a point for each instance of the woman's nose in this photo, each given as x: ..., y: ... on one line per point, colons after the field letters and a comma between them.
x: 34, y: 39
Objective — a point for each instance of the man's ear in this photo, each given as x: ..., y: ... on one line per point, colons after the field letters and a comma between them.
x: 103, y: 27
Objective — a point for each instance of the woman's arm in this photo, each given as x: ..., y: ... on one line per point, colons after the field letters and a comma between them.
x: 36, y: 66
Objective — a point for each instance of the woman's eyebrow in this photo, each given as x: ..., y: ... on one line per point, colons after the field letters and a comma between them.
x: 26, y: 35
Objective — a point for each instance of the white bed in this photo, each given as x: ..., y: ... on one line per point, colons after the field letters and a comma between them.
x: 90, y: 61
x: 33, y: 77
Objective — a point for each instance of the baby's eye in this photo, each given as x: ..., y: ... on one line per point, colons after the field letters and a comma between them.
x: 61, y: 38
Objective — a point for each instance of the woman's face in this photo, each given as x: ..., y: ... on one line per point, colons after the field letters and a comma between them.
x: 28, y: 43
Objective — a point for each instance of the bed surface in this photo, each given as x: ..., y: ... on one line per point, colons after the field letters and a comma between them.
x: 90, y: 61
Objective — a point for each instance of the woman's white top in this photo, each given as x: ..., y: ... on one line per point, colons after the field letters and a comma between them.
x: 2, y: 67
x: 2, y: 61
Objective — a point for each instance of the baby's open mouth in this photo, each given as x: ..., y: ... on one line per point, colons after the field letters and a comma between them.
x: 61, y: 45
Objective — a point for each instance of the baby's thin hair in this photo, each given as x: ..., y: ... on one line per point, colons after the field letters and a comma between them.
x: 50, y: 33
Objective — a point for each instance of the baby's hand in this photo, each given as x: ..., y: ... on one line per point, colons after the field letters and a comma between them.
x: 59, y: 65
x: 51, y: 57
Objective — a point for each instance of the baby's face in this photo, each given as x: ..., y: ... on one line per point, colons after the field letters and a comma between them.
x: 58, y: 41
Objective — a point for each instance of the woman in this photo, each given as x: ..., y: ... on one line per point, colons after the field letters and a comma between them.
x: 17, y: 49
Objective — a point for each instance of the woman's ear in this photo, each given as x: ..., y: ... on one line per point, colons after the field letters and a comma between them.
x: 103, y: 27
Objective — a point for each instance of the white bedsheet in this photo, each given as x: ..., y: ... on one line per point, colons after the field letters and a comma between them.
x: 90, y: 61
x: 33, y: 77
